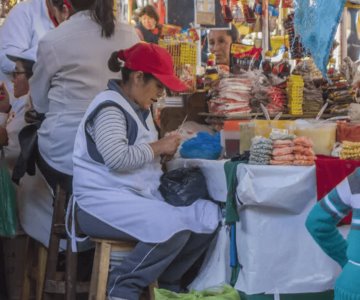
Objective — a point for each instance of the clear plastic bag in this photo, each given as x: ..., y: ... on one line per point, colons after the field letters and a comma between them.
x: 8, y: 217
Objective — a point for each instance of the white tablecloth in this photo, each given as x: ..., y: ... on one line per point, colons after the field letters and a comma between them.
x: 274, y: 248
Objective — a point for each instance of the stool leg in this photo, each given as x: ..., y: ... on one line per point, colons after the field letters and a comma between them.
x: 100, y: 272
x: 94, y: 273
x: 152, y: 286
x: 54, y: 242
x: 29, y: 252
x: 41, y: 267
x: 70, y: 276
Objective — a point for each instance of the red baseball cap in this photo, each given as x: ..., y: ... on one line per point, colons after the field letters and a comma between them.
x: 153, y: 59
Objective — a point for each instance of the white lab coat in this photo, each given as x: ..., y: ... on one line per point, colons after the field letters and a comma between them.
x: 71, y: 69
x: 26, y: 23
x: 34, y: 196
x: 129, y: 200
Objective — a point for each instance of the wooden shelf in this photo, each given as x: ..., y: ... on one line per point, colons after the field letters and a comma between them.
x: 261, y: 116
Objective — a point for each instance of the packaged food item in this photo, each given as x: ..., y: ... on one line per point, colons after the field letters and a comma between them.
x: 322, y: 133
x: 348, y: 131
x: 247, y: 132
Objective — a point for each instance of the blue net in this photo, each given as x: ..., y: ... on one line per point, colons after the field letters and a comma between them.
x: 316, y: 22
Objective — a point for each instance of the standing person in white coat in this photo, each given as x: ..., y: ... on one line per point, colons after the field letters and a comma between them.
x: 70, y: 70
x: 117, y: 174
x: 34, y: 197
x: 24, y: 26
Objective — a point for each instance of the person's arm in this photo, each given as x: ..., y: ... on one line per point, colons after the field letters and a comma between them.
x: 15, y: 35
x: 4, y: 100
x: 109, y: 131
x: 323, y: 218
x: 44, y: 69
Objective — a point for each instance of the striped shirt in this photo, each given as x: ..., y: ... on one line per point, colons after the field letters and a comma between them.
x: 109, y: 130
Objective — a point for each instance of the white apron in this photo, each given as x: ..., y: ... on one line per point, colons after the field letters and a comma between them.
x: 34, y: 196
x: 129, y: 200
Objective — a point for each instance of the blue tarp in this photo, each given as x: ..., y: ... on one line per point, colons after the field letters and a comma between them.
x: 316, y: 22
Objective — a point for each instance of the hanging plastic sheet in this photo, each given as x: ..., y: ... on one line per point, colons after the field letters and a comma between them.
x: 316, y: 22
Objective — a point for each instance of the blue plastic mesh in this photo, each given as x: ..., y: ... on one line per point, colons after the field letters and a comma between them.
x: 316, y: 22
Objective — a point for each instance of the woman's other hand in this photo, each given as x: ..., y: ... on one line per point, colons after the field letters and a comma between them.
x: 167, y: 145
x: 4, y: 99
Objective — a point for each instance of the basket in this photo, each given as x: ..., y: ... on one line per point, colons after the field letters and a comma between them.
x: 184, y: 57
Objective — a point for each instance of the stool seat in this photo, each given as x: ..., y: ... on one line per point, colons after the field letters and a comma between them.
x: 101, y: 265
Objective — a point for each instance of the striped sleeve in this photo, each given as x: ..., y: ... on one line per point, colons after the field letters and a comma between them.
x: 108, y: 130
x: 322, y: 224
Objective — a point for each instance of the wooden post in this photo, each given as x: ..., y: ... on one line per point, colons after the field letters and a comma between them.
x: 130, y: 6
x: 343, y: 35
x: 265, y: 26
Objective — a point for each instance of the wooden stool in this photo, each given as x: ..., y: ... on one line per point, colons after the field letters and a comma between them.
x: 55, y: 282
x: 99, y: 275
x: 32, y: 271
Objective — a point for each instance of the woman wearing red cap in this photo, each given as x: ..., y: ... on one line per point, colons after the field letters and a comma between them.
x: 117, y: 174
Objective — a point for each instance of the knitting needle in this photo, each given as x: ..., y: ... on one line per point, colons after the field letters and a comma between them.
x: 165, y: 157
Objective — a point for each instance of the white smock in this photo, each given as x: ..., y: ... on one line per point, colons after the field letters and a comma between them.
x: 33, y: 194
x: 24, y: 26
x: 71, y: 69
x: 129, y: 200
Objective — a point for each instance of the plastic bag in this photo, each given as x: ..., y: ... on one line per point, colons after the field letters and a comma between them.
x: 222, y: 293
x: 215, y: 270
x: 8, y: 218
x: 183, y: 186
x: 204, y: 145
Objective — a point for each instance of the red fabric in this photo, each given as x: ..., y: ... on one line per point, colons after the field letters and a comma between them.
x: 329, y: 172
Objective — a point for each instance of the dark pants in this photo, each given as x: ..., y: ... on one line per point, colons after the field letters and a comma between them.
x: 166, y: 262
x: 53, y: 176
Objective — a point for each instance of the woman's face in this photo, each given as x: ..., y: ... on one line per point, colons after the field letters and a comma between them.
x: 148, y: 22
x: 219, y: 44
x: 20, y: 81
x: 145, y: 93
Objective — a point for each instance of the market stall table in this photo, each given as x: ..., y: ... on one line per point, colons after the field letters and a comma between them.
x: 276, y: 253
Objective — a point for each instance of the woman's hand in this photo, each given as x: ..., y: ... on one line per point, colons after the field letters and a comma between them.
x: 3, y: 136
x: 4, y: 99
x: 167, y: 145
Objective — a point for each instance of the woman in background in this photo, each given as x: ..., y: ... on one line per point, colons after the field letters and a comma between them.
x: 148, y: 27
x: 26, y: 23
x: 70, y: 70
x: 220, y: 42
x: 34, y: 197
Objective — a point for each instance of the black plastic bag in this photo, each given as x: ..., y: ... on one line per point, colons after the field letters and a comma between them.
x: 183, y: 186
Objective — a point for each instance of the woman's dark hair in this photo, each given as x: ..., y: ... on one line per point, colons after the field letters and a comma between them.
x: 101, y: 11
x: 116, y: 66
x: 233, y: 33
x: 150, y: 11
x: 27, y: 65
x: 57, y: 3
